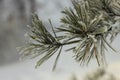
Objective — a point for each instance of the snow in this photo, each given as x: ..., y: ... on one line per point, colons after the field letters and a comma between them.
x: 25, y: 71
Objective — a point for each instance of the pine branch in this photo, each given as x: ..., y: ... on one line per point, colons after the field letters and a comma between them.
x: 87, y: 25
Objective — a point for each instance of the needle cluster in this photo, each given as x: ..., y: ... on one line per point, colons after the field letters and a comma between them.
x: 90, y: 24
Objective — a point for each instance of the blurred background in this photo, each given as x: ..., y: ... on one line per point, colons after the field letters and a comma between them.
x: 15, y: 15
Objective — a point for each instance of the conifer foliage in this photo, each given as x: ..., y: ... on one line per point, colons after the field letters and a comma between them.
x: 90, y: 25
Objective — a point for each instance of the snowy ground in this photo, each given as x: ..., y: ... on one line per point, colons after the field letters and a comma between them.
x: 25, y: 71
